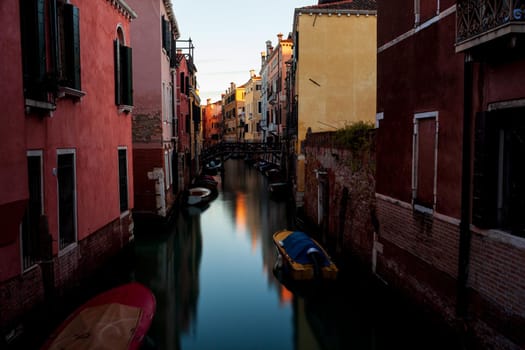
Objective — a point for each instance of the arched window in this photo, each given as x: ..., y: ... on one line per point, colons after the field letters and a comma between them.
x: 123, y: 71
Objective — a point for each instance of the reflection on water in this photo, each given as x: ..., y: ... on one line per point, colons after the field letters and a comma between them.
x: 212, y: 276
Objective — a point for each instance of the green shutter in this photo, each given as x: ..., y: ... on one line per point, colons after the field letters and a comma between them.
x: 32, y: 22
x: 72, y: 46
x: 126, y: 75
x: 485, y: 177
x: 164, y: 24
x: 116, y: 56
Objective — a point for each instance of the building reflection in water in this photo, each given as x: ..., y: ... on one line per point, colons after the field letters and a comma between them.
x: 168, y: 263
x: 215, y: 288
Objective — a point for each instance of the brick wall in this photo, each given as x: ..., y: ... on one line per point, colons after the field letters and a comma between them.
x: 350, y: 181
x: 147, y: 128
x: 497, y: 286
x: 420, y: 256
x: 20, y: 295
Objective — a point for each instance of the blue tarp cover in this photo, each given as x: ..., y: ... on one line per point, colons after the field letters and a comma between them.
x: 297, y: 245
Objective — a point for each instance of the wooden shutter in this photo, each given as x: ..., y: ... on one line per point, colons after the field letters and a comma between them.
x: 72, y: 45
x: 426, y: 146
x: 484, y: 200
x: 126, y: 75
x: 32, y: 13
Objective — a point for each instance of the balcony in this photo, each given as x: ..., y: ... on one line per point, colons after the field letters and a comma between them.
x: 484, y: 22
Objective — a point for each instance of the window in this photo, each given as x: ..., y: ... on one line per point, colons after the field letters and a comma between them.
x: 123, y: 72
x: 35, y: 208
x: 499, y: 190
x: 62, y: 37
x: 166, y: 35
x: 32, y: 14
x: 182, y: 83
x: 424, y: 163
x: 123, y: 178
x: 166, y: 169
x: 65, y: 39
x: 67, y: 202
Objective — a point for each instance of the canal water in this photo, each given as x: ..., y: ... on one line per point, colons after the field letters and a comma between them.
x: 212, y: 276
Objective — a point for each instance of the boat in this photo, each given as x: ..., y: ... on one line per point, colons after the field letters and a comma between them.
x: 213, y: 166
x: 302, y: 257
x: 278, y: 189
x: 207, y: 181
x: 115, y: 319
x: 198, y: 195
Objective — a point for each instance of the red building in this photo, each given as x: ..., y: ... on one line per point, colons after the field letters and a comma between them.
x: 212, y: 123
x: 154, y: 119
x: 188, y: 112
x: 65, y: 176
x: 450, y: 150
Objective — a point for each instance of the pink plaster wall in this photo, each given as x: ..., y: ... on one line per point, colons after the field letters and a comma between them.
x: 148, y: 67
x: 92, y: 126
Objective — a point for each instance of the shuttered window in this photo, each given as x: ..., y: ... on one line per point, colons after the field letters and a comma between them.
x: 32, y: 22
x: 499, y: 170
x: 61, y: 36
x: 166, y: 35
x: 123, y: 74
x: 70, y: 47
x: 424, y: 167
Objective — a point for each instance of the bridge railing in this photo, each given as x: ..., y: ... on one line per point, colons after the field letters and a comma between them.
x: 239, y: 148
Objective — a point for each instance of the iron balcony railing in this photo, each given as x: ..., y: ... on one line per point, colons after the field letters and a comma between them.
x: 479, y: 21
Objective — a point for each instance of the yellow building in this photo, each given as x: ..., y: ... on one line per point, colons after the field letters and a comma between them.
x: 334, y: 69
x: 252, y: 104
x: 233, y: 102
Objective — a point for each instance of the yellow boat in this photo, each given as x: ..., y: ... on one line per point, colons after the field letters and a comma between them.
x: 302, y: 257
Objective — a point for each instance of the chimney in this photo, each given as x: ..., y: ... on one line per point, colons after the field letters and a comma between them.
x: 263, y: 58
x: 269, y: 48
x: 252, y: 73
x: 280, y: 37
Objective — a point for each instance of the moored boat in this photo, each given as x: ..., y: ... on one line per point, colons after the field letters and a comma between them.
x: 198, y: 195
x: 116, y: 319
x: 302, y: 257
x: 278, y: 189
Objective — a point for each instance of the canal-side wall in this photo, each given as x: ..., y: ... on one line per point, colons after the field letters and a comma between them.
x: 22, y: 294
x: 339, y: 195
x: 414, y: 252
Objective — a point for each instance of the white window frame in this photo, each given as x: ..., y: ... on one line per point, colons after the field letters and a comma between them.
x: 415, y: 159
x: 40, y: 154
x: 167, y: 169
x: 73, y: 245
x: 125, y: 148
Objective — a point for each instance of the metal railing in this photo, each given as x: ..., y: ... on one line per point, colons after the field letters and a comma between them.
x: 477, y: 17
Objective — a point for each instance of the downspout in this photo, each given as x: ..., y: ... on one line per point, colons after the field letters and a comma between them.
x: 464, y: 226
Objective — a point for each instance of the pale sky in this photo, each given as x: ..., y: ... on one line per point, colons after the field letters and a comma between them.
x: 230, y: 35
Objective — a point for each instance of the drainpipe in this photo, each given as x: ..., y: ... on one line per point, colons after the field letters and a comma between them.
x: 464, y: 226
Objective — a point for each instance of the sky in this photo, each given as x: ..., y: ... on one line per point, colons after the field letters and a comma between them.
x: 229, y: 37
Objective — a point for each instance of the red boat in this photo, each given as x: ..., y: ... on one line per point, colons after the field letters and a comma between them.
x: 116, y: 319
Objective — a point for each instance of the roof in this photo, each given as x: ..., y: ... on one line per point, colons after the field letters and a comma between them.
x: 368, y: 5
